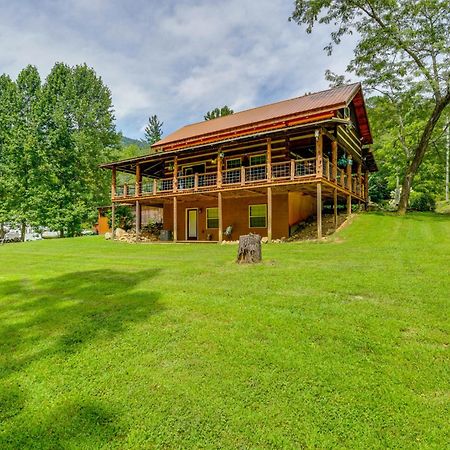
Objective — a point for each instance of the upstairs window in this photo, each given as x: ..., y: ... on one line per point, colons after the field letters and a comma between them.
x: 234, y: 163
x: 256, y: 160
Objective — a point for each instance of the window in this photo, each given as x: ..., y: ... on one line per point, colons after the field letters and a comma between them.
x: 257, y: 216
x: 233, y: 163
x: 212, y: 218
x: 257, y: 159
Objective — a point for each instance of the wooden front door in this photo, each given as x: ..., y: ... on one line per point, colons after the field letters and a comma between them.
x: 192, y: 224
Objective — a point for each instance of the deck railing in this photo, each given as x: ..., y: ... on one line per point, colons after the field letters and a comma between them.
x: 293, y: 169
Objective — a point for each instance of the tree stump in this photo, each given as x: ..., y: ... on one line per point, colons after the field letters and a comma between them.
x: 249, y: 250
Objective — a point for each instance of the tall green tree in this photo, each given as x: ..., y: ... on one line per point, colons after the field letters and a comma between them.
x: 78, y: 134
x: 153, y: 130
x: 395, y: 124
x: 218, y: 112
x: 8, y: 117
x: 403, y: 48
x: 24, y: 157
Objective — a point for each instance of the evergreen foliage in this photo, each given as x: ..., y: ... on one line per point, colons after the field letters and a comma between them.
x: 153, y: 130
x: 218, y: 112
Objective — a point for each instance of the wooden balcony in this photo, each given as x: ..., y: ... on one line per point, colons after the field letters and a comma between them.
x: 294, y: 171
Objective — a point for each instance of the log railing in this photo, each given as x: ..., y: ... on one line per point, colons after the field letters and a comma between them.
x: 293, y: 169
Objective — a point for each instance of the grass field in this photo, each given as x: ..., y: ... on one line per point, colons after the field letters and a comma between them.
x: 338, y: 344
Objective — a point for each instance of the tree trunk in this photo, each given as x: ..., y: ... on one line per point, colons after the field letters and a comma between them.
x: 23, y: 230
x: 419, y: 153
x: 447, y: 164
x: 61, y: 233
x: 249, y: 250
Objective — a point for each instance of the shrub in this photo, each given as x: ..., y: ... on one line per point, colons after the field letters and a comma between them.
x: 123, y: 217
x: 421, y: 201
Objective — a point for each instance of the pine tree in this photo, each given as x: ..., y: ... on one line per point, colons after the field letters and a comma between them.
x: 218, y: 112
x: 153, y: 130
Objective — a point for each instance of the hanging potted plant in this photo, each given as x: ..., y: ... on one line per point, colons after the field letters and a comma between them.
x: 342, y: 162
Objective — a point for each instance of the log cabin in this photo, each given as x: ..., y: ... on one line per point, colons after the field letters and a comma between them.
x: 262, y: 170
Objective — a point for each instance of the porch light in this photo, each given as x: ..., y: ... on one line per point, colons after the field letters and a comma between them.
x: 221, y: 155
x: 349, y: 161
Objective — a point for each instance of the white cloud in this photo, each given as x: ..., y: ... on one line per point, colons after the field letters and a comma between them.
x: 178, y: 59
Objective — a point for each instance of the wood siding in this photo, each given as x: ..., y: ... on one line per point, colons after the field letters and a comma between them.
x: 235, y: 213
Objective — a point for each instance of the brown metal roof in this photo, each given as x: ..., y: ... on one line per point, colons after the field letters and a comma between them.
x: 306, y: 105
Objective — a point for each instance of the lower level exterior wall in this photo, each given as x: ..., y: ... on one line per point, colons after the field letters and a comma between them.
x: 301, y: 206
x: 235, y: 213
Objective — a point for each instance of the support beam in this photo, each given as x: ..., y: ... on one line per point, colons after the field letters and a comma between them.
x: 335, y: 208
x: 113, y: 182
x: 138, y: 219
x: 349, y: 177
x: 359, y: 179
x: 219, y: 207
x: 269, y: 214
x: 175, y: 174
x: 329, y: 135
x: 319, y: 210
x: 319, y: 154
x: 219, y: 169
x: 366, y: 187
x: 113, y: 220
x: 175, y: 220
x: 349, y: 205
x: 138, y: 180
x: 269, y: 159
x: 334, y: 158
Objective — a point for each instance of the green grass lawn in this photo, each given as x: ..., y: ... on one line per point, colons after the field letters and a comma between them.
x: 338, y: 344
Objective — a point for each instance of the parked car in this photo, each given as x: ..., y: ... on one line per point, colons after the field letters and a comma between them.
x: 33, y: 236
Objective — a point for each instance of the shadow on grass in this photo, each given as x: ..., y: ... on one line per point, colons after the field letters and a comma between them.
x: 56, y: 318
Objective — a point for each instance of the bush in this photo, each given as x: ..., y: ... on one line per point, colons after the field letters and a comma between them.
x: 421, y: 201
x: 123, y: 217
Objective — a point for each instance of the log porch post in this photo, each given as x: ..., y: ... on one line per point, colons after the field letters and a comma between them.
x: 269, y: 159
x: 366, y: 187
x: 349, y: 205
x: 335, y: 206
x: 319, y: 153
x: 349, y: 177
x: 113, y: 182
x: 175, y: 174
x: 175, y: 220
x: 138, y: 219
x: 113, y: 220
x: 219, y: 169
x: 359, y: 179
x: 334, y: 152
x: 219, y: 207
x: 269, y: 214
x: 138, y: 180
x: 319, y: 210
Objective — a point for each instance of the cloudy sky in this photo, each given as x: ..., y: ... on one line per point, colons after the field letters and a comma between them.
x: 174, y: 58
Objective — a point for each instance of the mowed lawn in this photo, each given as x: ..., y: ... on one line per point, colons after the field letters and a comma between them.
x: 337, y: 344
